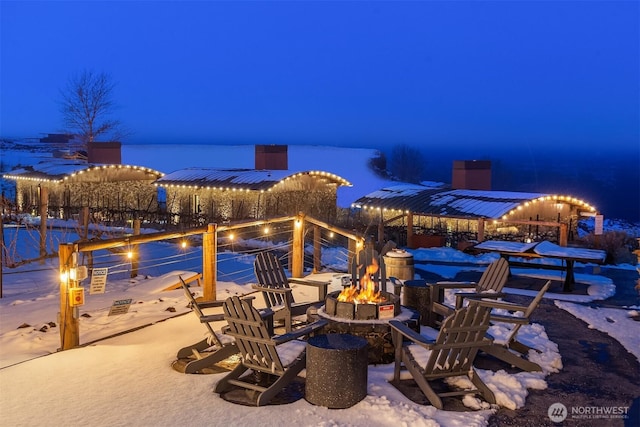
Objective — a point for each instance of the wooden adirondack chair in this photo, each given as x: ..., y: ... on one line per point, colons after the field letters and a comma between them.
x: 277, y: 292
x: 212, y: 349
x: 281, y: 356
x: 490, y: 284
x: 451, y: 354
x: 503, y: 349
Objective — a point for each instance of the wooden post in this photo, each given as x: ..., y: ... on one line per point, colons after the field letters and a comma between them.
x: 85, y: 234
x: 44, y: 212
x: 410, y: 230
x: 209, y: 257
x: 563, y: 235
x: 381, y: 230
x: 317, y: 249
x: 297, y: 251
x: 69, y: 325
x: 135, y: 249
x: 480, y: 230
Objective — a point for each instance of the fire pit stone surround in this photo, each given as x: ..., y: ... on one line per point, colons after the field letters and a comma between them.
x: 388, y: 308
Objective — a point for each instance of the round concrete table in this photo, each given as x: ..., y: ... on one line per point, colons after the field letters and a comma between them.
x: 336, y: 370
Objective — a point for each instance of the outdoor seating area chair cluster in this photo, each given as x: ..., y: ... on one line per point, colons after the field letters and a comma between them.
x: 462, y: 334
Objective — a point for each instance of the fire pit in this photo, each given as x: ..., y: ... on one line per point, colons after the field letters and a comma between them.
x: 387, y: 306
x: 363, y: 308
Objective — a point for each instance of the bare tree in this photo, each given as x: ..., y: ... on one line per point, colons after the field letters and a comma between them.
x: 86, y: 105
x: 407, y: 163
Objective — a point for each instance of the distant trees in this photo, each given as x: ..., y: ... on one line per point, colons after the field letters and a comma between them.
x: 86, y: 105
x: 407, y: 163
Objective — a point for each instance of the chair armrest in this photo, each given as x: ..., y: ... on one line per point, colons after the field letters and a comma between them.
x: 476, y: 295
x: 212, y: 318
x: 409, y: 333
x: 300, y: 332
x: 454, y: 285
x: 309, y: 282
x: 210, y: 304
x: 509, y: 306
x: 509, y: 319
x: 274, y: 290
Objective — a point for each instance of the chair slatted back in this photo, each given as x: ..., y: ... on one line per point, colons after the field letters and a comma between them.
x: 270, y: 273
x: 257, y: 349
x: 461, y: 336
x: 367, y: 257
x: 198, y: 311
x: 494, y: 277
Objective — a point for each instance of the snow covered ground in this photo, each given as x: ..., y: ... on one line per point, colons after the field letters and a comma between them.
x: 128, y: 380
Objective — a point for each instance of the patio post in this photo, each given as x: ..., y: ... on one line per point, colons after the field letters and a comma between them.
x: 297, y: 251
x: 69, y: 324
x: 209, y: 256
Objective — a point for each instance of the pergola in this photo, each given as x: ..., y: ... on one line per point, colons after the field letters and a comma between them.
x: 481, y: 209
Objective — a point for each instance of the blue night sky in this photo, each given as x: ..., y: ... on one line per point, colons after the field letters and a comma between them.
x: 435, y: 73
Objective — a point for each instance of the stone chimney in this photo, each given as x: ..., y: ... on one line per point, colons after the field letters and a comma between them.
x: 271, y: 157
x: 104, y: 152
x: 471, y: 175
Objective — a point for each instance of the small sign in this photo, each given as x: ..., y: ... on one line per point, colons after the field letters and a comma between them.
x: 385, y: 311
x: 120, y: 306
x: 598, y: 225
x: 98, y: 280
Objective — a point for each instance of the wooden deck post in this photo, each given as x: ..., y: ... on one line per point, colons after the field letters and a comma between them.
x: 381, y: 229
x: 317, y: 248
x: 297, y: 251
x: 135, y: 252
x: 410, y: 230
x: 209, y: 257
x: 44, y: 212
x: 480, y: 229
x: 563, y: 239
x: 69, y: 324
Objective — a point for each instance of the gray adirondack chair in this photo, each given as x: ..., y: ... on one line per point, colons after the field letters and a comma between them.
x: 213, y: 348
x: 450, y: 354
x: 505, y: 350
x: 276, y: 289
x: 490, y: 285
x: 280, y: 356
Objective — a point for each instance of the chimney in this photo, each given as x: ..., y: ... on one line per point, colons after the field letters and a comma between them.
x: 104, y: 152
x: 272, y: 157
x: 471, y: 175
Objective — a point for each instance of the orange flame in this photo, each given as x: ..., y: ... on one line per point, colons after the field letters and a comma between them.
x: 367, y: 293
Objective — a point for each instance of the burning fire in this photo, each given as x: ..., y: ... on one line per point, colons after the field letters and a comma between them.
x: 366, y: 293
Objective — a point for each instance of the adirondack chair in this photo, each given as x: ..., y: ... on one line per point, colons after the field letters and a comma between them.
x: 502, y: 350
x: 280, y: 356
x: 212, y: 349
x: 490, y: 284
x: 277, y: 292
x: 450, y: 354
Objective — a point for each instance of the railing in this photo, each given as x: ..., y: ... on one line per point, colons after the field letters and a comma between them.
x: 301, y: 228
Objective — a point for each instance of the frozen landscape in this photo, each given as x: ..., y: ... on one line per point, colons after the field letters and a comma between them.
x: 122, y: 373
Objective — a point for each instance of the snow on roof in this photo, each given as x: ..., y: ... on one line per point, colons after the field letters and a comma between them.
x: 54, y: 170
x: 443, y: 201
x: 350, y: 163
x: 246, y: 179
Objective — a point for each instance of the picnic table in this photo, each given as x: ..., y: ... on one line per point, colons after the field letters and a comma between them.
x: 544, y: 249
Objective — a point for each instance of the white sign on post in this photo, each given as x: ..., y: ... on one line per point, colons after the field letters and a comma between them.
x: 98, y: 281
x: 120, y: 306
x: 598, y: 225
